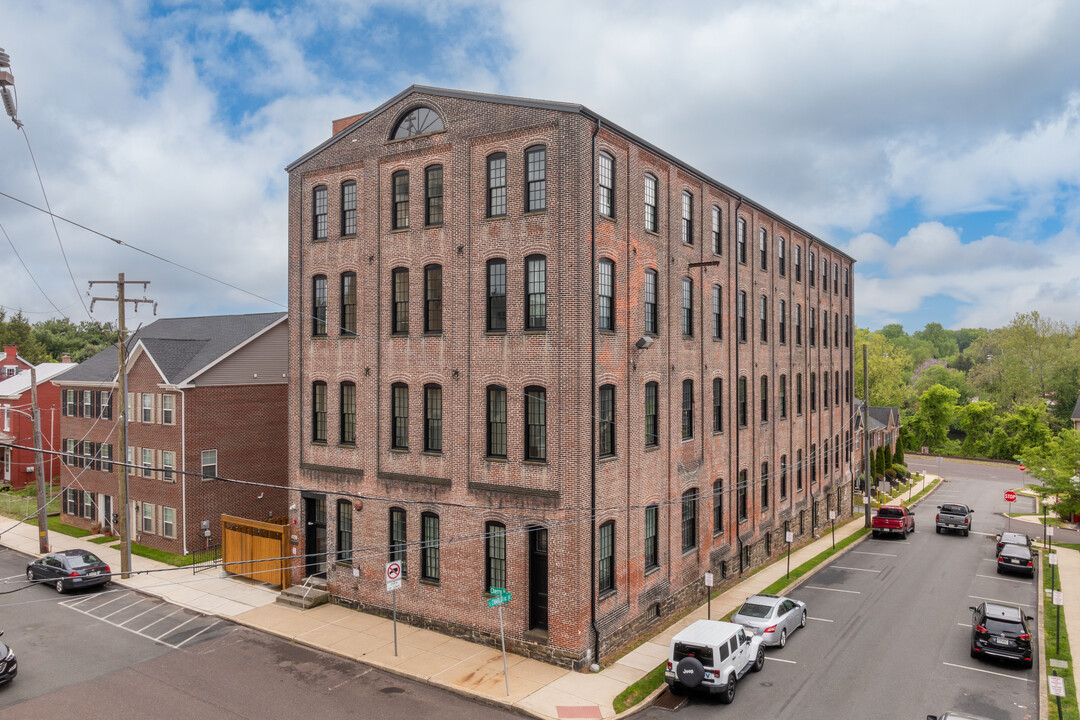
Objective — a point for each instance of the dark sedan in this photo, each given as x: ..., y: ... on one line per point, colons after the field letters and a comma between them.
x: 1016, y: 559
x: 9, y: 667
x: 1011, y: 538
x: 69, y: 569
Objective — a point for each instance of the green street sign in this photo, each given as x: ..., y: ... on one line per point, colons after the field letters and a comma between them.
x: 501, y: 596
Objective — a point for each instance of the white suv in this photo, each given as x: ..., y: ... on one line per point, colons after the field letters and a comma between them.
x: 712, y: 656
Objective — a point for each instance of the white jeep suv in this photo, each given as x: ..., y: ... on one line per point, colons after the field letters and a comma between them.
x: 712, y: 656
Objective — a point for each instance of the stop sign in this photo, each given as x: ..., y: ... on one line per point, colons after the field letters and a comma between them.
x: 1010, y: 496
x: 1022, y: 468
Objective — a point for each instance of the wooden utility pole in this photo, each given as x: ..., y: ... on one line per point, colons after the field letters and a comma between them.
x: 122, y: 489
x: 39, y: 461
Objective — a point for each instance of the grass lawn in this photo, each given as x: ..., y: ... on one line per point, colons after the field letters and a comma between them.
x: 1052, y: 651
x: 640, y: 690
x: 154, y: 554
x: 103, y: 539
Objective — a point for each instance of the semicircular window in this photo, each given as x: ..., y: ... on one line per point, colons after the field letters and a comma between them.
x: 419, y: 121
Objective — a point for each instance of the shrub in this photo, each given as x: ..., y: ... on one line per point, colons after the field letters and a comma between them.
x: 900, y: 469
x: 890, y: 473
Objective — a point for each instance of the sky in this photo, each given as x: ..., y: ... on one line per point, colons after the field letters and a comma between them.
x: 938, y: 143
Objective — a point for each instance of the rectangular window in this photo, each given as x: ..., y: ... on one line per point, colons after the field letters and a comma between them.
x: 70, y: 405
x: 798, y: 324
x: 835, y: 279
x: 781, y: 263
x: 433, y: 418
x: 605, y: 288
x: 740, y: 314
x: 536, y: 424
x: 813, y: 392
x: 846, y: 283
x: 71, y: 502
x: 740, y: 240
x: 106, y: 405
x: 433, y: 308
x: 318, y: 305
x: 433, y: 195
x: 606, y: 421
x: 651, y: 315
x: 687, y: 307
x: 344, y: 531
x: 741, y: 490
x: 742, y: 402
x: 209, y: 463
x: 764, y: 398
x: 836, y: 375
x: 687, y: 409
x: 813, y: 464
x: 400, y: 215
x: 718, y: 507
x: 836, y: 329
x: 824, y: 274
x: 318, y: 412
x: 348, y: 413
x: 398, y: 537
x: 88, y: 404
x: 399, y: 322
x: 763, y: 318
x: 781, y: 399
x: 764, y: 486
x: 650, y: 203
x: 88, y: 505
x: 605, y: 178
x: 168, y: 522
x: 168, y: 409
x: 168, y: 465
x: 688, y: 218
x: 496, y: 185
x: 798, y: 263
x: 319, y: 212
x: 798, y: 394
x: 348, y: 208
x: 147, y: 408
x: 781, y: 320
x: 798, y: 470
x: 824, y: 328
x: 535, y: 292
x: 429, y: 547
x: 148, y: 518
x: 106, y: 458
x: 652, y: 415
x: 763, y: 242
x: 496, y: 296
x: 652, y: 544
x: 147, y: 462
x: 811, y: 314
x: 689, y: 520
x: 536, y: 179
x: 717, y: 405
x: 605, y: 572
x: 399, y: 422
x: 717, y: 236
x: 783, y: 477
x: 496, y: 556
x: 810, y: 275
x: 717, y: 317
x: 348, y: 303
x: 496, y: 422
x: 825, y: 389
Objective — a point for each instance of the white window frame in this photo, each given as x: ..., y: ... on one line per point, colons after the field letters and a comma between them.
x: 7, y: 418
x: 147, y: 516
x: 106, y: 457
x: 146, y: 462
x: 168, y: 409
x: 146, y: 413
x: 88, y: 403
x: 88, y: 506
x: 71, y: 403
x: 206, y: 465
x: 168, y: 526
x: 105, y: 400
x: 168, y: 465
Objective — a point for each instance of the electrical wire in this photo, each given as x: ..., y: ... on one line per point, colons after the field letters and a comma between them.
x: 23, y: 263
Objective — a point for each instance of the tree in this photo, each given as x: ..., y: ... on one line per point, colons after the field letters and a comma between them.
x: 1019, y: 363
x: 1021, y: 431
x: 62, y: 337
x: 887, y: 455
x: 887, y: 365
x: 893, y: 332
x: 930, y: 423
x: 942, y: 375
x: 943, y: 341
x: 898, y: 457
x: 1056, y: 464
x: 977, y: 420
x: 17, y: 331
x: 879, y: 461
x: 966, y: 336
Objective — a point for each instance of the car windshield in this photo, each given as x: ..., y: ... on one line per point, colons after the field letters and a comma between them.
x: 755, y: 611
x: 958, y: 509
x: 890, y: 512
x: 1014, y: 538
x: 83, y: 560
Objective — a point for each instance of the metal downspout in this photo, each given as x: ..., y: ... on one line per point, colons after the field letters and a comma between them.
x: 592, y: 404
x: 183, y: 465
x: 738, y: 536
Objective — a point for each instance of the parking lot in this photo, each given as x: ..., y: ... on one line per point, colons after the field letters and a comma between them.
x: 889, y: 628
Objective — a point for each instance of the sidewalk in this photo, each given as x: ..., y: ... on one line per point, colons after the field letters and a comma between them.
x: 1068, y: 577
x: 463, y: 667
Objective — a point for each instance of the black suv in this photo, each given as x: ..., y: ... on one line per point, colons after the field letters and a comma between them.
x: 1001, y: 631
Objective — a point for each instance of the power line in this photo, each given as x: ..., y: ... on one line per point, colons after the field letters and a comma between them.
x: 23, y: 263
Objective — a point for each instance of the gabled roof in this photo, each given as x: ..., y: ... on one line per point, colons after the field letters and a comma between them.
x: 883, y: 414
x: 180, y: 347
x: 1076, y: 410
x: 558, y: 107
x: 14, y: 386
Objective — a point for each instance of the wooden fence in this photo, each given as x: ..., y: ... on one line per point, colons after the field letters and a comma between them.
x: 254, y: 549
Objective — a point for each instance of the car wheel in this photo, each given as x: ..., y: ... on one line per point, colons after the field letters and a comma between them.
x: 965, y: 533
x: 59, y: 586
x: 29, y: 574
x: 783, y: 638
x: 802, y: 623
x: 759, y: 661
x: 999, y: 569
x: 974, y: 654
x: 676, y: 690
x: 937, y: 530
x: 729, y: 690
x: 1026, y: 664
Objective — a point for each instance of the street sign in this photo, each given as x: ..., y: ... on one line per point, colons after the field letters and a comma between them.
x: 1010, y: 496
x: 498, y: 600
x: 1052, y: 557
x: 789, y: 537
x: 1059, y: 598
x: 393, y: 570
x: 1049, y: 531
x: 1022, y: 468
x: 832, y: 514
x: 1057, y: 685
x: 392, y: 585
x: 708, y: 579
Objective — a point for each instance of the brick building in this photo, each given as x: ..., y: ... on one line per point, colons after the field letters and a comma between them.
x: 206, y: 398
x: 11, y: 364
x: 531, y: 350
x: 17, y: 424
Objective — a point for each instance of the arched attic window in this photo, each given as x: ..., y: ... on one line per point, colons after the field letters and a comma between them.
x: 418, y: 121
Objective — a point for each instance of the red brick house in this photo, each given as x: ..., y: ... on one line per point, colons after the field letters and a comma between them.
x: 17, y: 464
x: 206, y: 398
x: 11, y: 364
x: 531, y: 350
x: 884, y: 430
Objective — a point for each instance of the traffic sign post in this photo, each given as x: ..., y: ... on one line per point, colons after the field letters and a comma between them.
x: 1010, y: 497
x: 501, y: 597
x: 832, y: 522
x: 788, y: 537
x: 1059, y: 600
x: 1057, y: 690
x: 393, y: 582
x: 708, y: 592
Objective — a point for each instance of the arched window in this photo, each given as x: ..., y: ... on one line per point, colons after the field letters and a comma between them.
x: 348, y: 303
x: 318, y: 411
x: 605, y: 572
x: 536, y: 423
x: 399, y: 417
x: 429, y: 546
x: 433, y: 314
x: 652, y: 415
x: 418, y: 121
x: 399, y: 186
x: 318, y: 305
x: 535, y: 292
x: 433, y: 417
x: 496, y: 422
x: 347, y: 420
x: 348, y: 207
x: 605, y: 435
x: 536, y: 179
x: 318, y: 211
x: 496, y: 185
x: 689, y: 520
x: 495, y: 556
x: 651, y: 216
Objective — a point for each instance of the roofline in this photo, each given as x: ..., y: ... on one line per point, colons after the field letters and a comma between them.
x: 236, y: 348
x: 560, y: 107
x: 141, y: 349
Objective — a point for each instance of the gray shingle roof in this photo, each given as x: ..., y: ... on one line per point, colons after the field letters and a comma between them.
x: 179, y: 346
x: 1076, y: 410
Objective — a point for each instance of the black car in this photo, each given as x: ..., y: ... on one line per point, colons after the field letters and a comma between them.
x: 9, y: 667
x: 1011, y: 538
x: 1001, y: 631
x: 1016, y: 559
x: 69, y: 569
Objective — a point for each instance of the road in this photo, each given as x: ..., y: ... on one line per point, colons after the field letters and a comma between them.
x: 889, y: 629
x: 113, y: 652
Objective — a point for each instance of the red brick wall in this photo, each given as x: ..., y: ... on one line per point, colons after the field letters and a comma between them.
x: 22, y: 430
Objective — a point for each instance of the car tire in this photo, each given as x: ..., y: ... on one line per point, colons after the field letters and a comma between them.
x: 728, y: 693
x: 676, y: 689
x: 937, y: 530
x: 759, y: 661
x: 802, y: 623
x: 60, y: 586
x: 966, y: 533
x: 783, y: 638
x: 1026, y: 664
x: 974, y: 654
x: 999, y: 569
x: 29, y: 574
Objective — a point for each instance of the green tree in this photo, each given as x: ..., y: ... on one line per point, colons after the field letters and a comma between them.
x: 1056, y: 464
x: 887, y: 366
x: 893, y: 332
x: 887, y: 455
x: 943, y: 341
x: 63, y: 337
x: 930, y: 423
x: 898, y: 458
x: 966, y: 336
x: 1017, y: 364
x: 1020, y: 432
x: 942, y: 375
x: 17, y: 331
x: 977, y: 420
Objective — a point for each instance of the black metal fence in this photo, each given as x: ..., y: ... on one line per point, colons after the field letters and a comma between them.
x: 202, y: 559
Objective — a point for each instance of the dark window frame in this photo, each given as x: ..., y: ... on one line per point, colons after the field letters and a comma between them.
x: 496, y: 417
x: 605, y: 193
x: 605, y: 557
x: 687, y: 310
x: 347, y: 417
x: 652, y: 414
x: 399, y: 301
x: 652, y: 194
x: 319, y: 212
x: 717, y: 230
x: 319, y: 295
x: 433, y: 195
x: 349, y: 296
x: 652, y: 314
x: 689, y: 520
x: 318, y: 411
x: 687, y: 409
x: 399, y: 200
x: 433, y: 418
x: 536, y: 423
x: 536, y: 292
x: 687, y: 224
x: 433, y: 298
x: 496, y: 195
x: 605, y: 292
x: 495, y: 565
x: 496, y: 295
x: 652, y: 537
x: 536, y: 178
x: 429, y: 546
x: 605, y: 435
x: 348, y: 208
x: 718, y: 404
x: 399, y: 416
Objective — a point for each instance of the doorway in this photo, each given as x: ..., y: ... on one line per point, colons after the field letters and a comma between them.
x: 538, y: 578
x: 106, y: 512
x: 315, y: 535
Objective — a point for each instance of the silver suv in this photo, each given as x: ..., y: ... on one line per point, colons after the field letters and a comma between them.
x: 712, y: 656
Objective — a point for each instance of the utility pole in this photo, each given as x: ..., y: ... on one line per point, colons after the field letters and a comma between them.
x: 7, y: 80
x: 866, y: 436
x: 39, y: 461
x: 122, y: 490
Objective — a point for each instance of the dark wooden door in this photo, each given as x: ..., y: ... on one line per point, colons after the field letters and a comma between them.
x: 315, y: 535
x: 538, y: 578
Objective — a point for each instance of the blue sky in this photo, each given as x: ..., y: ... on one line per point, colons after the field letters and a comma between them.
x: 937, y: 143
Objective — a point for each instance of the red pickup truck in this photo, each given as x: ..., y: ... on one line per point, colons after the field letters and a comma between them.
x: 893, y: 519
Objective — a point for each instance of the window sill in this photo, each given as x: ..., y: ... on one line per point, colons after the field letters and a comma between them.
x: 602, y: 216
x: 607, y: 458
x: 430, y: 583
x: 347, y: 445
x: 433, y: 333
x: 399, y: 334
x: 610, y: 592
x: 318, y: 335
x: 490, y: 218
x: 495, y: 333
x: 320, y: 443
x: 433, y: 226
x: 319, y: 240
x: 495, y: 459
x: 343, y: 564
x: 717, y: 432
x: 655, y: 233
x: 743, y: 520
x: 651, y: 570
x: 534, y: 331
x: 395, y: 231
x: 346, y: 335
x: 652, y: 448
x: 687, y: 337
x: 400, y: 451
x: 534, y: 462
x: 605, y: 332
x: 535, y: 213
x: 432, y: 453
x: 686, y: 439
x: 347, y: 236
x: 717, y: 339
x: 689, y: 551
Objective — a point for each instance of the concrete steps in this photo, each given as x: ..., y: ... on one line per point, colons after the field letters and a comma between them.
x: 307, y: 596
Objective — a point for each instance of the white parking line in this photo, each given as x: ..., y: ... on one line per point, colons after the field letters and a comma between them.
x: 92, y: 597
x: 863, y: 552
x: 90, y: 613
x: 819, y: 619
x: 843, y: 567
x: 818, y: 587
x: 140, y: 630
x: 150, y: 609
x: 106, y: 617
x: 984, y: 534
x: 789, y: 662
x: 15, y: 577
x: 1003, y: 602
x: 988, y: 672
x: 994, y: 577
x: 172, y: 630
x: 198, y: 634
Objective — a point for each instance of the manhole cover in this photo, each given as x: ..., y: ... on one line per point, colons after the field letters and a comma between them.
x: 391, y: 690
x: 668, y: 701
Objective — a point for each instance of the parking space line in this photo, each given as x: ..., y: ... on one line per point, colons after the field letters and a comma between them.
x: 1003, y: 602
x: 140, y: 630
x: 106, y: 617
x: 843, y: 567
x: 176, y: 628
x: 789, y: 662
x: 818, y: 587
x: 983, y: 534
x: 98, y: 607
x: 179, y: 645
x: 899, y: 542
x: 150, y: 609
x: 90, y: 613
x: 15, y: 577
x: 993, y: 577
x: 988, y: 672
x: 819, y: 619
x: 863, y: 552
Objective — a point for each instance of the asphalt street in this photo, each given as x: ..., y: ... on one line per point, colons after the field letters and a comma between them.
x: 890, y: 626
x: 112, y: 652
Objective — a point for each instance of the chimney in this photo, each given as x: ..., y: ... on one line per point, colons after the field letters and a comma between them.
x: 339, y: 125
x: 65, y: 359
x: 10, y: 351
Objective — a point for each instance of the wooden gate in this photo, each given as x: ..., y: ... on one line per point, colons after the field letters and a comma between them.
x: 254, y: 549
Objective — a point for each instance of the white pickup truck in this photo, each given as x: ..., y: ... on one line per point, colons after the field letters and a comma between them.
x: 953, y: 516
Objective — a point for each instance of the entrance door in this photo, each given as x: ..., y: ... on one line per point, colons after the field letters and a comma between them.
x: 315, y: 535
x: 106, y: 511
x: 538, y: 578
